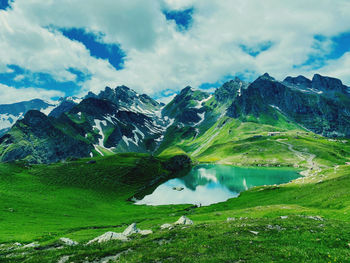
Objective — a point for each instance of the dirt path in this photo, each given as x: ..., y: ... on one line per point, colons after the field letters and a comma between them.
x: 303, y: 156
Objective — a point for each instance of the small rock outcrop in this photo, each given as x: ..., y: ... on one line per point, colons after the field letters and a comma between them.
x: 31, y: 245
x: 183, y: 220
x: 130, y: 230
x: 108, y: 236
x: 145, y: 232
x: 166, y: 226
x: 68, y: 241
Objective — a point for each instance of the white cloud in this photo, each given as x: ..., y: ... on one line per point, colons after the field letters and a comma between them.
x: 166, y: 99
x: 10, y: 95
x: 158, y: 56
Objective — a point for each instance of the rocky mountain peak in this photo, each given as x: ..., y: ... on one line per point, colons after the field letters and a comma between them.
x: 266, y: 76
x: 37, y: 119
x: 298, y: 81
x: 325, y: 84
x: 229, y: 90
x: 187, y: 89
x: 95, y: 107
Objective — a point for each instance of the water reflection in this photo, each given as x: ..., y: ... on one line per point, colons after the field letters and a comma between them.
x: 208, y: 184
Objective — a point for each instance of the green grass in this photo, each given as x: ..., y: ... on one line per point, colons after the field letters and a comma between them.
x: 60, y: 208
x: 45, y: 202
x: 81, y: 201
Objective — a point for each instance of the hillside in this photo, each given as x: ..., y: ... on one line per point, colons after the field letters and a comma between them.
x: 194, y: 122
x: 77, y: 172
x: 303, y: 220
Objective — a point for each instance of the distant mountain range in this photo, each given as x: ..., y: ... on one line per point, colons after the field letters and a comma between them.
x: 121, y: 120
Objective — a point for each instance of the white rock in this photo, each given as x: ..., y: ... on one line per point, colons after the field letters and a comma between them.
x: 284, y: 217
x: 68, y: 241
x: 107, y: 237
x: 254, y: 232
x: 183, y: 220
x: 145, y: 232
x: 166, y: 226
x: 132, y: 229
x: 317, y: 218
x: 63, y: 259
x: 34, y: 244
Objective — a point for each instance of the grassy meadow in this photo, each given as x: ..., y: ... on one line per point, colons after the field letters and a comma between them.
x: 307, y: 220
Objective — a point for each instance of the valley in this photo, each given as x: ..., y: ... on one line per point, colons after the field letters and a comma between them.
x: 76, y: 174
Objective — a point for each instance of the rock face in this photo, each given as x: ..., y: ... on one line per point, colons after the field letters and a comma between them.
x: 64, y: 106
x: 37, y: 140
x: 120, y: 120
x: 186, y: 108
x: 10, y: 113
x: 230, y: 90
x: 321, y: 105
x: 126, y: 98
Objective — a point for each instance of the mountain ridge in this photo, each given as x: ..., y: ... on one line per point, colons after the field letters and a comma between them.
x: 121, y: 120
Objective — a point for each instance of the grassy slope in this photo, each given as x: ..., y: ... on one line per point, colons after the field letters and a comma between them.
x: 212, y: 239
x: 232, y: 141
x: 80, y: 201
x: 44, y: 202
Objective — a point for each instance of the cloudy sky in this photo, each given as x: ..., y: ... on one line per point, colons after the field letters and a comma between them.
x: 51, y: 48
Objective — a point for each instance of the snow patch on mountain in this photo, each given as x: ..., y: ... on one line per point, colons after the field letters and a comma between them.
x: 7, y: 120
x: 100, y: 131
x: 202, y: 117
x: 48, y: 110
x: 200, y: 103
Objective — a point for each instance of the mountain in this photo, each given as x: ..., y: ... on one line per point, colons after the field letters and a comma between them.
x: 65, y: 104
x: 39, y: 139
x: 98, y: 125
x: 10, y: 113
x: 321, y: 105
x: 194, y: 122
x: 128, y: 99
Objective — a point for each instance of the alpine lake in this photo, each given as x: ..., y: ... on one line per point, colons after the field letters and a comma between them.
x: 208, y: 184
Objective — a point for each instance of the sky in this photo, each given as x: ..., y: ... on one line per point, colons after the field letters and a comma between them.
x: 50, y: 49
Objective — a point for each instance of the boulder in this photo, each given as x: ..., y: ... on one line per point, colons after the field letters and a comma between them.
x: 132, y: 229
x: 68, y: 241
x: 31, y: 245
x: 166, y: 226
x: 107, y: 237
x: 183, y: 220
x: 145, y: 232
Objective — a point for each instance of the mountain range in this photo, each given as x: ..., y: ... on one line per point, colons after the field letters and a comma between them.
x: 121, y: 120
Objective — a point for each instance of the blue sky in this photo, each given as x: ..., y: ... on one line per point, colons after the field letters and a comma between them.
x: 4, y: 4
x: 160, y: 46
